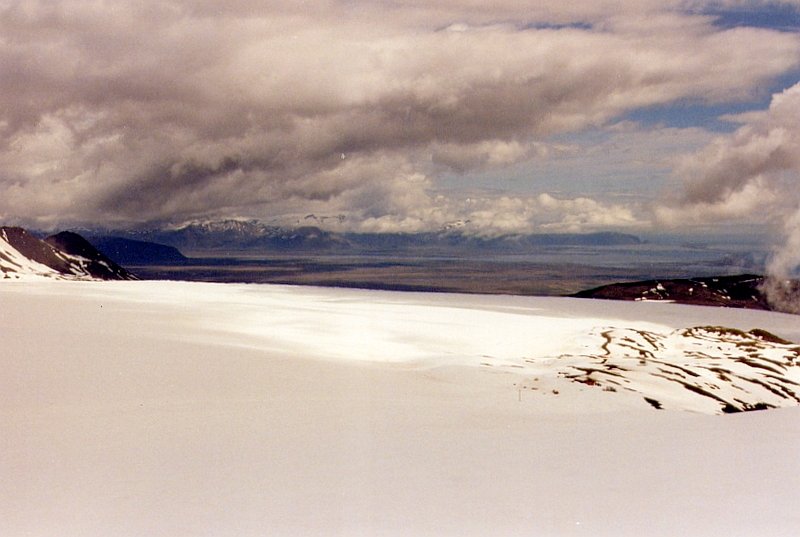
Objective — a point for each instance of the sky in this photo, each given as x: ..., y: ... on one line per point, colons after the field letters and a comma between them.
x: 403, y: 115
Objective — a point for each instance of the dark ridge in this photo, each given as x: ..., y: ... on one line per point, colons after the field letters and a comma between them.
x: 35, y: 249
x: 742, y: 291
x: 134, y: 252
x: 97, y: 265
x: 67, y: 253
x: 72, y: 243
x: 768, y: 337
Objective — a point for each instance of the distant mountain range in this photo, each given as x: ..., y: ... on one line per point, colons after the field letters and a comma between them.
x: 65, y: 255
x: 102, y: 253
x: 237, y: 236
x: 68, y: 255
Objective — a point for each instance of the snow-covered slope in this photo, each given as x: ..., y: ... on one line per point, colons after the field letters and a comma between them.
x: 65, y: 256
x: 704, y: 369
x: 164, y: 408
x: 15, y: 265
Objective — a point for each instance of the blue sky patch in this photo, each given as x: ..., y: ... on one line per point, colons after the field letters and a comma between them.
x: 781, y: 17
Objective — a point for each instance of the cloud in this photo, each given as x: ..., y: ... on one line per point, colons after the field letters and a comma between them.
x: 757, y: 167
x: 743, y: 203
x: 486, y: 214
x: 465, y: 157
x: 155, y: 111
x: 752, y: 174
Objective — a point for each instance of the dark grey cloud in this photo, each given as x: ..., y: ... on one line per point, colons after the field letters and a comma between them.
x: 134, y: 111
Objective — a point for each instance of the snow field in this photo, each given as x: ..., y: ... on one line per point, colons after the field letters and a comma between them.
x: 162, y: 408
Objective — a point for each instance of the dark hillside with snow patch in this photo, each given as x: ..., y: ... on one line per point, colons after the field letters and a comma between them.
x: 63, y: 256
x: 742, y: 291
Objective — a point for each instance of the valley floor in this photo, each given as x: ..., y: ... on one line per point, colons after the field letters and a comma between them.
x: 166, y: 408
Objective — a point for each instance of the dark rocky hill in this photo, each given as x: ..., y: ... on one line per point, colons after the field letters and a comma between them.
x: 96, y: 263
x: 65, y: 254
x: 742, y: 291
x: 35, y: 249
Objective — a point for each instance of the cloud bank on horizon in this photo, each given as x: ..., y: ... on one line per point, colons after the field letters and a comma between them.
x: 516, y: 116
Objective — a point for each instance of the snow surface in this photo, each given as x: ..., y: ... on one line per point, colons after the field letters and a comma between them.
x: 165, y: 408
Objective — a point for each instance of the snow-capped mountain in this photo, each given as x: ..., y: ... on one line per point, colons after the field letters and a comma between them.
x: 62, y: 256
x: 239, y: 236
x: 235, y: 235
